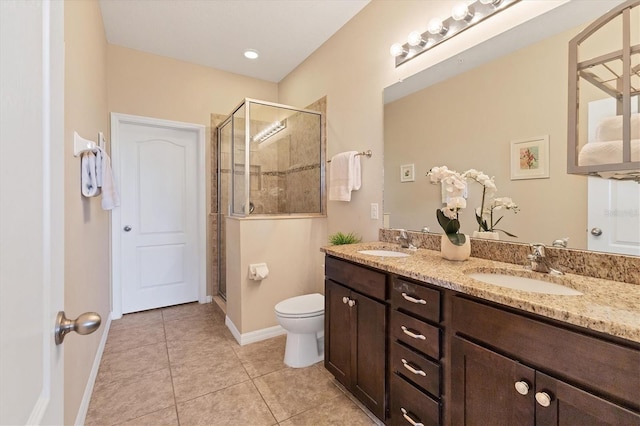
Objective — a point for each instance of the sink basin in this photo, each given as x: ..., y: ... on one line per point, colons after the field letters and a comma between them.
x: 522, y: 283
x: 384, y: 253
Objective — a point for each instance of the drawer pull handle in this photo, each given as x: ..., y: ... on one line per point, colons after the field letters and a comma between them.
x: 413, y: 299
x: 408, y: 418
x: 522, y: 387
x: 352, y: 303
x: 410, y: 333
x: 544, y: 399
x: 409, y: 367
x: 345, y: 300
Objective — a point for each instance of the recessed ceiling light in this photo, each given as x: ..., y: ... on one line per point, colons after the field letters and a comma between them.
x: 250, y: 54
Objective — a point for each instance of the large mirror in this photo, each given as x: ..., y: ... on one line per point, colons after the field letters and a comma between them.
x: 483, y: 118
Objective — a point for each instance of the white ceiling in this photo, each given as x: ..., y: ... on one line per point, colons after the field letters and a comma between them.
x: 215, y: 33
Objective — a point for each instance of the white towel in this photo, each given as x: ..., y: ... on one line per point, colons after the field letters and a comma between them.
x: 344, y: 175
x: 110, y: 196
x: 88, y: 174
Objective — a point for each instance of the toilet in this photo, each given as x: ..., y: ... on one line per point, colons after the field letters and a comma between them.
x: 303, y: 319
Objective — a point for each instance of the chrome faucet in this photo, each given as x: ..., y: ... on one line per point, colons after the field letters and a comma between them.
x: 405, y: 240
x: 539, y: 260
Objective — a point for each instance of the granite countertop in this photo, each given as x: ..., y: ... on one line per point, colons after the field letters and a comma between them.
x: 606, y: 306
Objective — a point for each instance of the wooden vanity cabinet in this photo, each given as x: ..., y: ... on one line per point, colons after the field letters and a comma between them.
x: 356, y: 330
x: 416, y: 351
x: 513, y: 369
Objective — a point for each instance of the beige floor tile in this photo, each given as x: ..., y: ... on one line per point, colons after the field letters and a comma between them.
x: 203, y: 376
x: 193, y: 310
x: 137, y: 319
x: 338, y: 411
x: 262, y: 357
x: 134, y: 337
x: 133, y: 362
x: 196, y: 329
x: 164, y: 417
x: 185, y: 351
x: 123, y: 400
x: 237, y: 405
x: 292, y: 391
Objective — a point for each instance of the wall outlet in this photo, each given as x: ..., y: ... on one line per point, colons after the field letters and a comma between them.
x: 374, y: 210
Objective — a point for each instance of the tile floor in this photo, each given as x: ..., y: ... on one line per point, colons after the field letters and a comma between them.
x: 181, y: 366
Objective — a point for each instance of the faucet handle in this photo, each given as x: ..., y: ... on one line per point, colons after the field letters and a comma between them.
x: 537, y: 249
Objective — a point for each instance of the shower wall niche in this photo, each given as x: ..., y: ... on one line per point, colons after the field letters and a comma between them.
x: 271, y: 162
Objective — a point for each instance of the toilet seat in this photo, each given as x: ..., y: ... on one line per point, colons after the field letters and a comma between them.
x: 308, y: 305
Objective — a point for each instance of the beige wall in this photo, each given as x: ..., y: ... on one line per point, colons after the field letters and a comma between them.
x: 87, y: 262
x: 290, y: 248
x: 154, y: 86
x: 352, y: 69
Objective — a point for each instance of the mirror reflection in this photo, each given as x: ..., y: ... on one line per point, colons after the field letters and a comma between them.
x: 485, y: 119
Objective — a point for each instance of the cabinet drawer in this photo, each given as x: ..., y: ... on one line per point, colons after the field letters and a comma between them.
x: 416, y: 368
x: 415, y: 333
x: 363, y: 280
x: 406, y: 400
x: 417, y: 299
x: 593, y: 363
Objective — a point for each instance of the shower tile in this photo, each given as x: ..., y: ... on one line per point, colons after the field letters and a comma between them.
x: 262, y: 357
x: 134, y: 337
x: 236, y: 405
x: 137, y: 319
x: 128, y: 399
x: 164, y: 417
x: 292, y: 391
x: 204, y: 375
x: 130, y: 363
x: 337, y: 411
x: 185, y: 351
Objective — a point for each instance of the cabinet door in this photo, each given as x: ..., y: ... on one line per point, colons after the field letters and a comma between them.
x: 572, y: 406
x: 368, y: 357
x: 337, y: 336
x: 483, y: 388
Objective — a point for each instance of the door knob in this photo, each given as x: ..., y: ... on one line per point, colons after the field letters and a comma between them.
x: 127, y: 228
x: 522, y: 387
x: 86, y: 323
x: 543, y: 399
x: 596, y: 231
x: 345, y: 300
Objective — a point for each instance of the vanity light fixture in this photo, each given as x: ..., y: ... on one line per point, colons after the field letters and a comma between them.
x: 270, y: 130
x: 464, y: 15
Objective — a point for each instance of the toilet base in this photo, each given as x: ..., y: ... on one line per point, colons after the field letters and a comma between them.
x: 303, y: 350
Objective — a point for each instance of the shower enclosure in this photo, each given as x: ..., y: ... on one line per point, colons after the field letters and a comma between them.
x: 270, y: 163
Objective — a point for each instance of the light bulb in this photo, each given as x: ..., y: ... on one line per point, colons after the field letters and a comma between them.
x: 415, y: 39
x: 397, y: 50
x: 460, y: 12
x: 436, y: 26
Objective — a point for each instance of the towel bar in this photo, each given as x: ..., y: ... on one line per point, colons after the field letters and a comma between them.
x: 368, y: 153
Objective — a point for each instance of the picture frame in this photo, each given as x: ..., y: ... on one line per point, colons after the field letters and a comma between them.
x: 530, y: 158
x: 407, y: 173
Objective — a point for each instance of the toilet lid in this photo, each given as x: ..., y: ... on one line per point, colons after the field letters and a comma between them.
x: 306, y: 305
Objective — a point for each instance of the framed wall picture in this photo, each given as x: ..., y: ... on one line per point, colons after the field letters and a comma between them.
x: 530, y: 158
x: 407, y: 173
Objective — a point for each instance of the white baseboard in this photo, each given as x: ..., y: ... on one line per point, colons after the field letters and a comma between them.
x: 253, y: 336
x: 88, y: 390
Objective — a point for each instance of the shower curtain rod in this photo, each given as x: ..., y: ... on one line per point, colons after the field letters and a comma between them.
x: 368, y: 153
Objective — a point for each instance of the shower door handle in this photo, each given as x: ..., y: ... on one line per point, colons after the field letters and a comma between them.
x: 127, y: 228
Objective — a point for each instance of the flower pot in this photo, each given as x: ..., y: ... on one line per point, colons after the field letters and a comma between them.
x: 489, y: 235
x: 450, y: 251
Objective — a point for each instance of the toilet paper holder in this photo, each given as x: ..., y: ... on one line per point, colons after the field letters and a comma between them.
x: 258, y: 271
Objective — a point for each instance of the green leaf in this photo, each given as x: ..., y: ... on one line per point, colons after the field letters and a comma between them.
x: 457, y: 239
x: 339, y: 238
x: 450, y: 226
x: 483, y: 223
x: 508, y: 233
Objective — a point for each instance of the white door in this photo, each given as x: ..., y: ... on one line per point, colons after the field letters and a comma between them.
x: 31, y: 211
x: 160, y: 218
x: 614, y: 216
